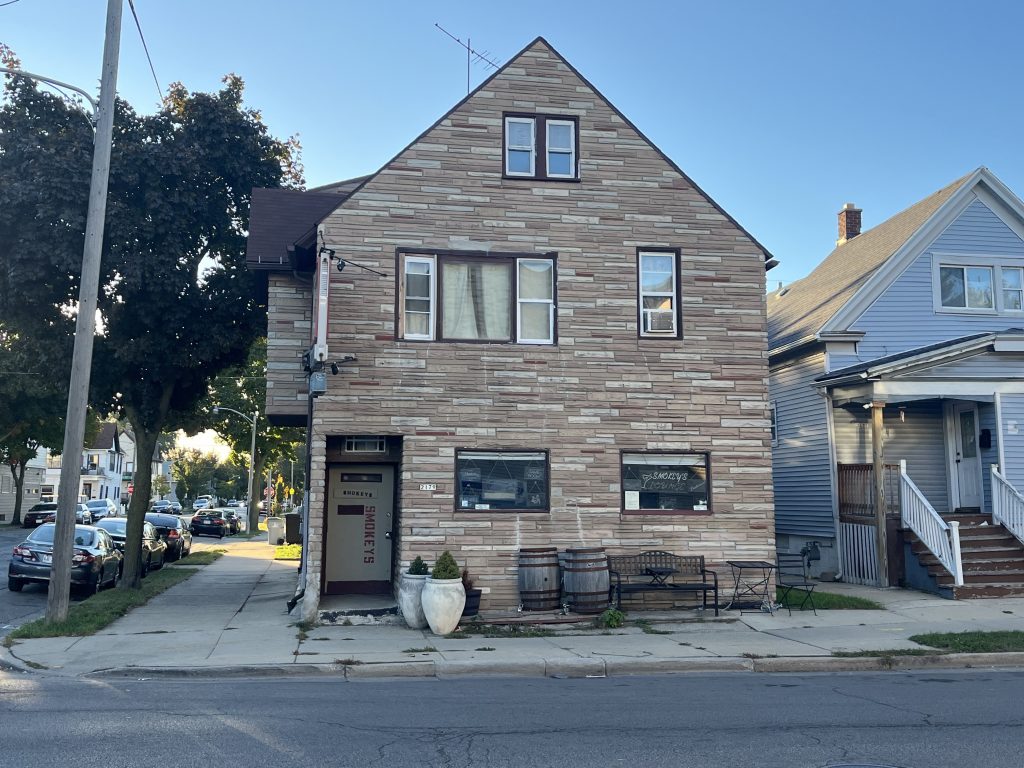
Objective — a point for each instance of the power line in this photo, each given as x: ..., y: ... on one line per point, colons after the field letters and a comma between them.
x: 138, y: 26
x: 9, y: 2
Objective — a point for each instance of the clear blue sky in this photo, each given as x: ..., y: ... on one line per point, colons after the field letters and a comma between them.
x: 781, y: 111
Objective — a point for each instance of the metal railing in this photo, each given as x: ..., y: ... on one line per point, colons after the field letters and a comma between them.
x: 941, y: 538
x: 1007, y: 505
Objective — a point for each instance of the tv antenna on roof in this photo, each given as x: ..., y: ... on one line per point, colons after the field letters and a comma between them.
x: 480, y: 56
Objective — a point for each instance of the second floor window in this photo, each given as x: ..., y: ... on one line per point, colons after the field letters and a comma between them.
x: 658, y: 294
x: 541, y: 147
x: 986, y: 288
x: 478, y: 298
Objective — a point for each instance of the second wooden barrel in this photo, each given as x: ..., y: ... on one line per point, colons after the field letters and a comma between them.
x: 586, y: 579
x: 539, y: 584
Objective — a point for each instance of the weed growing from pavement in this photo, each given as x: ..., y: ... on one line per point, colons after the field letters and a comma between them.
x: 348, y: 662
x: 424, y: 649
x: 889, y: 654
x: 305, y: 625
x: 301, y: 635
x: 500, y: 630
x: 485, y: 648
x: 973, y: 642
x: 647, y: 629
x: 96, y: 612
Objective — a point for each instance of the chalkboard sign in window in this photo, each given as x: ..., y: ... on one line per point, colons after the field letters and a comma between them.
x: 502, y: 481
x: 665, y: 482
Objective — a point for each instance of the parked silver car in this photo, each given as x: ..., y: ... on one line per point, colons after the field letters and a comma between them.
x: 101, y: 508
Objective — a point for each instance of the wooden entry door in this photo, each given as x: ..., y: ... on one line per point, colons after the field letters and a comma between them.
x: 359, y: 519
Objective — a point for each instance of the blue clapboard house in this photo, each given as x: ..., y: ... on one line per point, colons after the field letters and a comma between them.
x: 897, y: 389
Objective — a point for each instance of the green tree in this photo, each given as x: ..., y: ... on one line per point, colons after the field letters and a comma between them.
x: 193, y: 471
x: 176, y: 303
x: 245, y: 390
x: 32, y: 410
x: 161, y: 486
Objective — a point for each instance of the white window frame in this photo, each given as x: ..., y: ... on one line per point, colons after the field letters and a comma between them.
x: 1003, y: 289
x: 531, y: 148
x: 995, y: 265
x: 520, y: 338
x: 366, y: 444
x: 673, y: 294
x: 431, y: 261
x: 571, y: 151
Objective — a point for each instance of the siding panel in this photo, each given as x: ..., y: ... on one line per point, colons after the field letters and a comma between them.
x: 800, y: 462
x: 1013, y: 450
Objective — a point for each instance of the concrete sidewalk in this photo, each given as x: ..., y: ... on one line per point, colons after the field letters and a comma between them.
x: 230, y: 619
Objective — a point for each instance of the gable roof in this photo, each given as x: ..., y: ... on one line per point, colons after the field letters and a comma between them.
x: 279, y: 218
x: 106, y: 438
x: 797, y: 312
x: 769, y: 260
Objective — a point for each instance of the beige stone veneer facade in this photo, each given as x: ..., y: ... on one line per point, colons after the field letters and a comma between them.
x: 598, y: 391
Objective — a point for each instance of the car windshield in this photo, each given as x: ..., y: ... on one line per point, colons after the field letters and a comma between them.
x: 116, y: 527
x: 97, y: 503
x: 44, y: 535
x: 45, y: 507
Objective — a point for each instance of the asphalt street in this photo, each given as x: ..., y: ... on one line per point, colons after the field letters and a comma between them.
x: 911, y: 720
x: 17, y: 607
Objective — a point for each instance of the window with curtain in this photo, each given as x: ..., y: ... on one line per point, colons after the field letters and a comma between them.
x: 491, y: 298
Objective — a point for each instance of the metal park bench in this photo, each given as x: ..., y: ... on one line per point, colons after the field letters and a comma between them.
x: 656, y: 571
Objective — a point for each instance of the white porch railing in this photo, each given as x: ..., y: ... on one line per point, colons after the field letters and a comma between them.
x: 941, y: 538
x: 1007, y: 505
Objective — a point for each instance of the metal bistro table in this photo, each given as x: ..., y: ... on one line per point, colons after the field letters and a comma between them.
x: 752, y: 580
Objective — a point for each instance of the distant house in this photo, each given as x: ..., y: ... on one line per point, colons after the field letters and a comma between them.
x: 905, y: 346
x: 35, y: 472
x: 102, y: 466
x: 545, y: 334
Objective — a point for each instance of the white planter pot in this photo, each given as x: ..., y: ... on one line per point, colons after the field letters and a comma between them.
x: 443, y: 601
x: 409, y: 600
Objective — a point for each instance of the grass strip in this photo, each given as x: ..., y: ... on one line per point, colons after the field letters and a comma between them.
x: 96, y: 612
x: 204, y: 557
x: 288, y: 552
x: 973, y: 642
x: 826, y: 601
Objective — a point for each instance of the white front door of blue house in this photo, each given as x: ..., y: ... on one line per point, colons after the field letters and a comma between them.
x: 966, y: 456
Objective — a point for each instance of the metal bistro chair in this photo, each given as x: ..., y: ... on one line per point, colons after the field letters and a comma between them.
x: 792, y: 575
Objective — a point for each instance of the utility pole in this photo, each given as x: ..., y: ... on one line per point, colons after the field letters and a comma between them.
x: 85, y: 327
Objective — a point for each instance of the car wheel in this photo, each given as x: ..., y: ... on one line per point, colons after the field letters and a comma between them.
x: 15, y: 585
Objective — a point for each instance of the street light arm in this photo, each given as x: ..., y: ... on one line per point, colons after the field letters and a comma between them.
x: 251, y: 419
x: 58, y: 83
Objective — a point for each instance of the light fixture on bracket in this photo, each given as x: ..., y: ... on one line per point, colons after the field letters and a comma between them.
x: 342, y: 263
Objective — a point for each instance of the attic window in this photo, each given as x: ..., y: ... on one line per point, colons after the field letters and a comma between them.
x: 541, y: 147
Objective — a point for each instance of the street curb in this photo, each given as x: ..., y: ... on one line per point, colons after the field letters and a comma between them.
x: 247, y: 670
x: 887, y: 663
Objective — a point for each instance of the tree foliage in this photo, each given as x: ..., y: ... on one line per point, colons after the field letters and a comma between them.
x: 176, y: 303
x: 193, y: 471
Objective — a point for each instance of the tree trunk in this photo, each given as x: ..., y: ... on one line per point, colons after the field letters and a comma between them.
x: 19, y: 489
x: 145, y: 445
x: 254, y: 495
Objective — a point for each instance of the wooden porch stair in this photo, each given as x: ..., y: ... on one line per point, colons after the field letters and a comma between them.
x: 992, y: 557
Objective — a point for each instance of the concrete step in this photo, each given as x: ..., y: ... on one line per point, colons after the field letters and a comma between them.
x: 1015, y: 563
x: 943, y: 577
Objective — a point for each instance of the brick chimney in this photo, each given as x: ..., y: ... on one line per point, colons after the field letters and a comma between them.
x: 849, y: 223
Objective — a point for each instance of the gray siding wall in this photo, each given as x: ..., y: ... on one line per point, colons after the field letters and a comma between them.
x: 989, y: 456
x: 801, y: 464
x: 918, y: 440
x: 904, y: 317
x: 999, y: 366
x: 1013, y: 450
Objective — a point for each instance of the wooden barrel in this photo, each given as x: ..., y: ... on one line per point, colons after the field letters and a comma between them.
x: 540, y: 587
x: 585, y: 575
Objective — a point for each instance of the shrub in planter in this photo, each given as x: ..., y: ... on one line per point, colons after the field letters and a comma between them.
x: 410, y: 594
x: 472, y: 595
x: 444, y: 596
